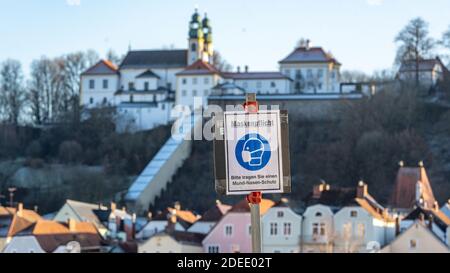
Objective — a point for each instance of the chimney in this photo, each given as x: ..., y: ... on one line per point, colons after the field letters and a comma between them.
x: 397, y: 226
x: 318, y: 189
x: 20, y: 209
x: 436, y: 206
x: 238, y: 69
x: 113, y: 207
x: 36, y: 209
x: 361, y: 190
x: 177, y: 206
x: 308, y: 44
x: 430, y: 222
x: 246, y: 69
x: 72, y: 225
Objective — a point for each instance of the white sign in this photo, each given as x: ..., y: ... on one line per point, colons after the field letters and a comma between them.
x: 253, y: 153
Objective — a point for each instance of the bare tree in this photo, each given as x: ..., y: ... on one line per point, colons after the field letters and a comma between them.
x: 220, y: 63
x: 12, y: 92
x: 446, y: 38
x: 354, y: 76
x: 414, y: 44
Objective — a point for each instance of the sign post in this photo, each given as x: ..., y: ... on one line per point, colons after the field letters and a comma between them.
x: 254, y: 198
x: 251, y: 157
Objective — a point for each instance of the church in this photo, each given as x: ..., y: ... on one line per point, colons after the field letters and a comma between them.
x: 147, y: 84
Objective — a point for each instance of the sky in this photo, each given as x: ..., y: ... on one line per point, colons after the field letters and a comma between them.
x: 257, y: 33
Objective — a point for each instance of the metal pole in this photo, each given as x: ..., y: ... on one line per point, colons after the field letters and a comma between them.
x: 254, y: 198
x: 256, y: 228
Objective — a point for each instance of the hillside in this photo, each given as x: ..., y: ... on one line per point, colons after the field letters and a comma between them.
x: 367, y: 143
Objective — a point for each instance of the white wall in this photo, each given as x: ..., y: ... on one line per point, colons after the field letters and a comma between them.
x: 329, y: 81
x: 264, y: 86
x: 310, y: 217
x: 192, y: 86
x: 98, y: 93
x: 143, y: 117
x: 280, y: 242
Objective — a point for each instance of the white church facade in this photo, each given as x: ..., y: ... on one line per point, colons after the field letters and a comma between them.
x: 147, y: 84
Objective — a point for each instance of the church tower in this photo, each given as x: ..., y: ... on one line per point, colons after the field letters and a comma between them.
x: 196, y: 39
x: 208, y: 51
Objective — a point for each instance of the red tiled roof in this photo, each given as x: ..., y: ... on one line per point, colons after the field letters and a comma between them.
x: 19, y: 220
x: 199, y: 68
x: 243, y: 206
x: 103, y: 67
x: 404, y: 194
x: 309, y: 55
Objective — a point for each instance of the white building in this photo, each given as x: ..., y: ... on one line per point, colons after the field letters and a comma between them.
x: 345, y: 220
x: 430, y: 71
x: 281, y: 229
x: 312, y: 69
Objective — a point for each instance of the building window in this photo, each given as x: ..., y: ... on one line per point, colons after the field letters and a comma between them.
x: 353, y: 213
x: 322, y: 229
x: 91, y: 84
x: 273, y: 84
x: 105, y: 100
x: 287, y: 229
x: 131, y: 98
x: 205, y: 93
x: 206, y: 80
x: 228, y: 230
x: 213, y: 249
x: 146, y: 86
x: 183, y: 81
x: 193, y: 47
x: 163, y: 106
x: 333, y: 75
x: 319, y: 229
x: 287, y: 72
x: 131, y: 86
x: 273, y: 229
x: 249, y: 230
x: 309, y: 73
x: 318, y: 214
x: 280, y: 214
x: 91, y: 100
x: 412, y: 244
x: 315, y: 228
x: 194, y: 92
x: 105, y: 84
x: 361, y: 230
x: 194, y: 80
x: 258, y: 84
x: 320, y: 73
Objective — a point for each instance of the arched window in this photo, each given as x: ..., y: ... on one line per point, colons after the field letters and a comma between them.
x: 318, y: 214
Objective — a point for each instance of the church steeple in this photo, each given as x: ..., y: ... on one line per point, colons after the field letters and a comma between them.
x: 207, y: 32
x: 196, y: 40
x: 200, y: 39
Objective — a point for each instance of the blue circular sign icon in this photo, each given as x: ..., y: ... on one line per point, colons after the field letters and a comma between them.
x: 253, y: 152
